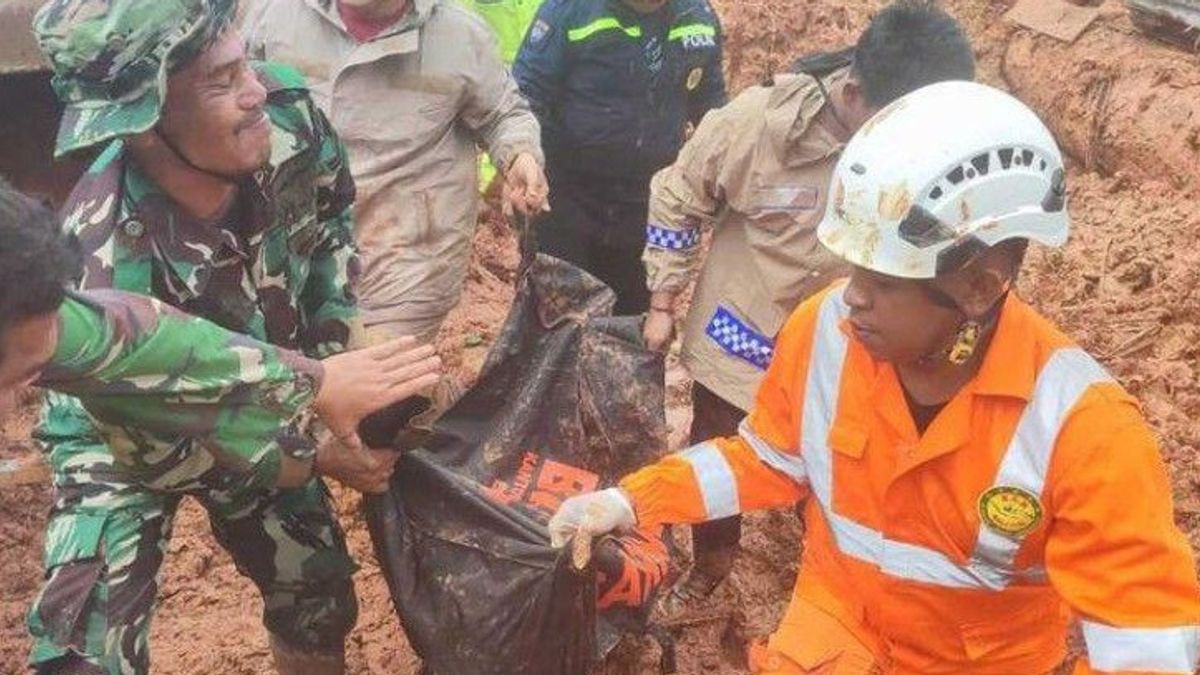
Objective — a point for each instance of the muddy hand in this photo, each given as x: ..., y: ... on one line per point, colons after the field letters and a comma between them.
x: 591, y: 515
x: 361, y: 468
x: 360, y: 382
x: 525, y: 187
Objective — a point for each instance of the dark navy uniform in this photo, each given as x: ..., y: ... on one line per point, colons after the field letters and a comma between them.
x: 614, y: 91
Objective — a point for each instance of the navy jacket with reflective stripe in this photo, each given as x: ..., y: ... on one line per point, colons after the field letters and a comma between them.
x: 615, y: 89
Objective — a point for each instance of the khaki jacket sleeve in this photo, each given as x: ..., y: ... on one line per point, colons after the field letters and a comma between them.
x: 1113, y: 551
x: 494, y: 109
x: 760, y: 468
x: 685, y: 198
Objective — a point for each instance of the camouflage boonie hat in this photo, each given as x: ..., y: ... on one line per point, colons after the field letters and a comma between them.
x: 111, y: 59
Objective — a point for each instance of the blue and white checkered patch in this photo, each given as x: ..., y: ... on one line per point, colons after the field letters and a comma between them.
x: 675, y: 240
x: 740, y: 340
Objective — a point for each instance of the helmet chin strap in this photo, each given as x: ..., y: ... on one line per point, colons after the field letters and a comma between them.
x: 184, y: 158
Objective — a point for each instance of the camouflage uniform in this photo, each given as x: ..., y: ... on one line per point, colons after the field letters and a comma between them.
x: 138, y: 363
x: 279, y: 269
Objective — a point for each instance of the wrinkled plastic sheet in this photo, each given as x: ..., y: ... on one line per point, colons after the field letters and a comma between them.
x: 567, y: 402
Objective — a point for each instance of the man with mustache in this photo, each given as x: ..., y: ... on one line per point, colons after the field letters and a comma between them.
x: 221, y: 189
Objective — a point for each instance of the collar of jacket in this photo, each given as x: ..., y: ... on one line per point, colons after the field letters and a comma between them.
x: 143, y: 222
x: 416, y: 16
x: 1009, y: 371
x: 148, y: 221
x: 792, y: 109
x: 1009, y: 367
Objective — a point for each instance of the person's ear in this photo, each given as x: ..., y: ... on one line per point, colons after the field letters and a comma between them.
x: 852, y: 95
x: 984, y: 285
x: 854, y: 102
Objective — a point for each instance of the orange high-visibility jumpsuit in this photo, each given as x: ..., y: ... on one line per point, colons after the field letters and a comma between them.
x: 1036, y: 495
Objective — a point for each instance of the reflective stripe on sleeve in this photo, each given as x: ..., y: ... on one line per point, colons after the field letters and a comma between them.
x: 738, y: 339
x: 672, y: 240
x: 718, y: 486
x: 1153, y: 650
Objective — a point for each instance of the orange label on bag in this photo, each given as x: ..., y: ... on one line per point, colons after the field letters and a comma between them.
x: 542, y: 484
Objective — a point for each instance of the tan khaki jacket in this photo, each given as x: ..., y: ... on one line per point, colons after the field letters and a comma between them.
x: 755, y: 173
x: 411, y: 106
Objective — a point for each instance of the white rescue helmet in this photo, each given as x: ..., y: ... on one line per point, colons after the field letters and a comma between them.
x: 940, y: 175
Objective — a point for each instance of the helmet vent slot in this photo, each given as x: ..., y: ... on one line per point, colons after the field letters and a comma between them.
x: 1006, y: 157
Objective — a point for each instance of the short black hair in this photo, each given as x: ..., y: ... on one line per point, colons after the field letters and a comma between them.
x: 910, y: 44
x: 37, y: 260
x: 1014, y: 250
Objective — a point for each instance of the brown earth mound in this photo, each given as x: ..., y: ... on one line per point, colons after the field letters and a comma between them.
x: 1124, y: 108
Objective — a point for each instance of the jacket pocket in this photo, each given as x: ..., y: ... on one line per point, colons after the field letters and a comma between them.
x: 414, y: 225
x: 780, y: 205
x: 1012, y: 637
x: 819, y: 646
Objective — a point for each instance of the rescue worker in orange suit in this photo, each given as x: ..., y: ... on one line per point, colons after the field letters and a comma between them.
x: 755, y: 173
x: 971, y: 479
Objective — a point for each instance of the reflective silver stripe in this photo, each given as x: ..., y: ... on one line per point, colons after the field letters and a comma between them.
x: 821, y: 397
x: 718, y: 486
x: 786, y: 463
x: 1154, y: 650
x: 918, y: 563
x: 898, y: 559
x: 1067, y: 374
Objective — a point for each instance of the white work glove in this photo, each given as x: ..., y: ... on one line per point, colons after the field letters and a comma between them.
x: 591, y: 514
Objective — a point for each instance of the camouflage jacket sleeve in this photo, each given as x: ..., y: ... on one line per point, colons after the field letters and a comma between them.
x: 328, y: 302
x: 686, y: 197
x: 139, y: 365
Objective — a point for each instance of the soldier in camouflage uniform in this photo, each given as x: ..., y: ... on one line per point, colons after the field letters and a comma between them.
x: 222, y: 190
x: 138, y: 363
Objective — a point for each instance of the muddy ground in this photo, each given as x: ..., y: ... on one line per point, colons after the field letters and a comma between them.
x: 1127, y: 111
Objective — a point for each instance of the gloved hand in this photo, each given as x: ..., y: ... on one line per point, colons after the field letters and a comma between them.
x: 592, y: 515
